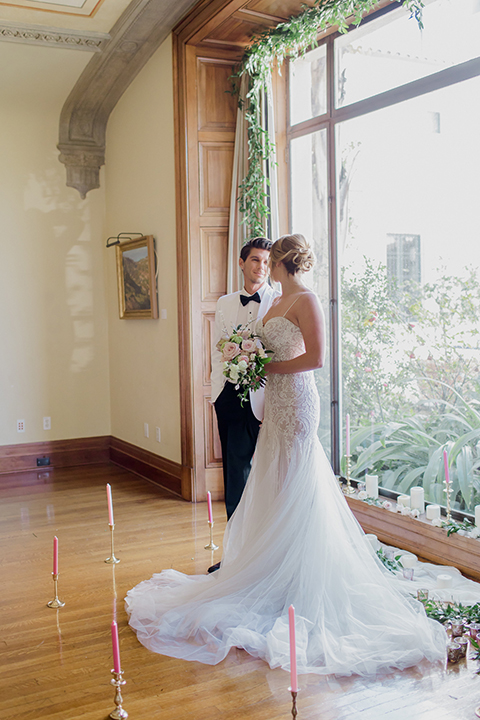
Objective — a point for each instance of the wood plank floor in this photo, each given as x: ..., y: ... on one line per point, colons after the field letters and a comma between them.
x: 55, y: 664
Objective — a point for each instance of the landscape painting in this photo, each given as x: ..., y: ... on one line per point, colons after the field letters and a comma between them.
x: 137, y: 292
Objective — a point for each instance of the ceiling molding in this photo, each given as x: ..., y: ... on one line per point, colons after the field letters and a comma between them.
x: 139, y: 31
x: 52, y: 36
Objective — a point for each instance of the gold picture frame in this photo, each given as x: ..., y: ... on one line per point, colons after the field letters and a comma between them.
x: 137, y: 287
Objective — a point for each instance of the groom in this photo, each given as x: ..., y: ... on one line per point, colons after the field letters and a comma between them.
x: 238, y: 426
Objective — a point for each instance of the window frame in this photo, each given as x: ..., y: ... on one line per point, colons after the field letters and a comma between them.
x: 329, y: 120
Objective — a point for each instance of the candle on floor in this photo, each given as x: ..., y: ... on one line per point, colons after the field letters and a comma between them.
x: 115, y: 648
x: 55, y: 555
x: 371, y: 485
x: 347, y: 434
x: 110, y: 504
x: 209, y: 503
x: 477, y: 515
x: 403, y: 500
x: 433, y: 512
x: 417, y: 499
x: 293, y: 650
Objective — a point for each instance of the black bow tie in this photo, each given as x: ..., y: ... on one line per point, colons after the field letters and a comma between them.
x: 245, y: 299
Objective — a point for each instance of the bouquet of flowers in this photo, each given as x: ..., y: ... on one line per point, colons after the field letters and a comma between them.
x: 244, y: 360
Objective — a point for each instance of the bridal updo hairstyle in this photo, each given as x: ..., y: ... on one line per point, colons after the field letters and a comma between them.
x: 294, y: 252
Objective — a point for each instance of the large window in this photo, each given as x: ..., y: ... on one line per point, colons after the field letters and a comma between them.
x: 385, y: 180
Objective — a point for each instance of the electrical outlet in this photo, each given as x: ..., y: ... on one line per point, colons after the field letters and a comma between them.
x: 146, y: 430
x: 43, y: 461
x: 47, y: 423
x: 158, y: 434
x: 20, y: 425
x: 163, y: 314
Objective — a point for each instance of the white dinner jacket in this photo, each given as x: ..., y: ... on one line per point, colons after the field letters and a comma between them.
x: 226, y: 317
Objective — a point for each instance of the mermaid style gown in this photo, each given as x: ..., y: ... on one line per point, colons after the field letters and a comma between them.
x: 292, y: 540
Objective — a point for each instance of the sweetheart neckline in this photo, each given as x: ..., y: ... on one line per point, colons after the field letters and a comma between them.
x: 279, y: 317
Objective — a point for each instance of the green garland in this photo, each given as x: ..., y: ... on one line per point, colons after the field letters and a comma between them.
x: 289, y: 39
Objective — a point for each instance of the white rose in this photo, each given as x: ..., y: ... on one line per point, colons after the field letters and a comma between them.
x: 252, y: 356
x: 437, y: 522
x: 234, y: 372
x: 387, y: 505
x: 405, y: 510
x: 362, y: 495
x: 414, y: 513
x: 242, y: 366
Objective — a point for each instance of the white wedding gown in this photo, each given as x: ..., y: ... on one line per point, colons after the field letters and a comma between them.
x: 292, y: 540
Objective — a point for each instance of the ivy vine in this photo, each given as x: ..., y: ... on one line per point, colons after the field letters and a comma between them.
x: 288, y: 39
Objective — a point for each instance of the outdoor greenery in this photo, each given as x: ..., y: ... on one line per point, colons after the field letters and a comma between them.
x: 288, y: 39
x: 411, y: 381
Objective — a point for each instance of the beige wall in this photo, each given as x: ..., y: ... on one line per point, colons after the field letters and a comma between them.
x: 140, y: 197
x: 53, y: 320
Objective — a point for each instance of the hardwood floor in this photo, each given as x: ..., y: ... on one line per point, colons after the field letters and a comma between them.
x: 55, y: 664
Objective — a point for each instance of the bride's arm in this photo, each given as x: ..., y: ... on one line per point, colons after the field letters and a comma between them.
x: 310, y: 319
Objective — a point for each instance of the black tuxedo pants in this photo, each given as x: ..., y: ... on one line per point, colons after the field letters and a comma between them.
x: 238, y: 429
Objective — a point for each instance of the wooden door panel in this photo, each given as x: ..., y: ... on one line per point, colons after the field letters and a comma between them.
x: 216, y: 164
x: 214, y: 245
x: 216, y: 106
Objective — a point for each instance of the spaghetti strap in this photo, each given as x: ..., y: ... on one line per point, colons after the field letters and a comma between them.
x: 293, y: 303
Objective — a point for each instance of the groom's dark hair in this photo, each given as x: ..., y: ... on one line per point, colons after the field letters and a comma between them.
x: 259, y: 243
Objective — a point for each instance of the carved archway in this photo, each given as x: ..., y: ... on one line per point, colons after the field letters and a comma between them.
x: 139, y: 31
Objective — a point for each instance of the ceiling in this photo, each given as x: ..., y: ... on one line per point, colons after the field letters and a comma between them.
x: 86, y: 15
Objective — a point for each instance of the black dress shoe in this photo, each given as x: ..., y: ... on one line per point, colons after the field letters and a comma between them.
x: 212, y: 568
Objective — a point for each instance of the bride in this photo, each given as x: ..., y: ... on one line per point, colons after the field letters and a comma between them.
x: 292, y: 538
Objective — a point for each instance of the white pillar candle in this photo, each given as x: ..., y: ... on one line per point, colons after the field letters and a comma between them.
x: 404, y: 500
x: 417, y: 499
x: 408, y: 561
x: 373, y: 540
x: 433, y: 512
x: 477, y: 515
x: 444, y: 581
x: 371, y: 485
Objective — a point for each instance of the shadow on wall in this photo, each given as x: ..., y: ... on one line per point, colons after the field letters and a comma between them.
x: 66, y: 261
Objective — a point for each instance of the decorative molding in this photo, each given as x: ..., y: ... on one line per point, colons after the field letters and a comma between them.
x: 157, y: 470
x: 62, y: 453
x: 52, y: 36
x: 139, y: 31
x: 419, y: 537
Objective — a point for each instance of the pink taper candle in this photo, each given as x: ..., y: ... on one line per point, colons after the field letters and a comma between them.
x: 115, y: 648
x: 209, y: 502
x: 347, y: 432
x: 445, y: 462
x: 110, y: 504
x: 55, y: 555
x: 293, y: 650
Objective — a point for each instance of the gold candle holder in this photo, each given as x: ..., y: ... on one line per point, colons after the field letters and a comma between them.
x: 117, y: 681
x: 112, y: 560
x: 448, y: 491
x: 211, y: 545
x: 294, y: 703
x: 348, y: 489
x: 55, y: 603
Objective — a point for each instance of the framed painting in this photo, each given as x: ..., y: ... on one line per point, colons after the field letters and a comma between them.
x: 137, y: 287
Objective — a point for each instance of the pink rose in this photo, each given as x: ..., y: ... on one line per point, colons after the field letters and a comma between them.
x: 367, y: 369
x: 248, y: 345
x: 230, y: 351
x: 244, y: 358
